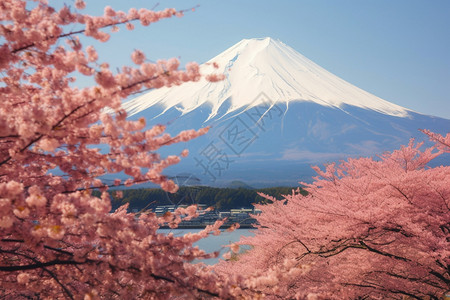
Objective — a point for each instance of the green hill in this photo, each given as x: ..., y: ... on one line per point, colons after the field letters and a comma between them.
x: 219, y: 198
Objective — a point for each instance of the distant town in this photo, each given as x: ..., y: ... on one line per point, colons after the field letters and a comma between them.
x: 235, y: 203
x: 241, y: 216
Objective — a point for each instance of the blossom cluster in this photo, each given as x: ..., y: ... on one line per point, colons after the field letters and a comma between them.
x: 368, y: 228
x: 58, y: 240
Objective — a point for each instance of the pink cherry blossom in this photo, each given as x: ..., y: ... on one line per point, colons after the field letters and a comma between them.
x: 234, y: 247
x: 59, y: 239
x: 215, y: 77
x: 80, y: 4
x: 368, y: 228
x: 138, y: 57
x: 6, y: 222
x: 23, y: 278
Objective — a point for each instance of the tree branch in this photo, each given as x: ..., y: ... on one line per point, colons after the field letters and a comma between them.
x: 40, y: 265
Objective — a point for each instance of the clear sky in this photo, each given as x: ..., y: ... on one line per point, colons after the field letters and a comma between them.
x: 397, y: 50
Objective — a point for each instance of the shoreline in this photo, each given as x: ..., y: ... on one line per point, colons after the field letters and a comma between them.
x: 203, y: 226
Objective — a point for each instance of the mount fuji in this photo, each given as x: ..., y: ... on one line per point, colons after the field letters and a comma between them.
x: 274, y: 115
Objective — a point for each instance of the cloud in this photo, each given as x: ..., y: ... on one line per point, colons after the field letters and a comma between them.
x: 366, y: 148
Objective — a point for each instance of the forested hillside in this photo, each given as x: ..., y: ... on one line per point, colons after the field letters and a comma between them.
x: 220, y: 198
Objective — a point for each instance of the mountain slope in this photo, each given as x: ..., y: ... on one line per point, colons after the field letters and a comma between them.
x: 274, y: 115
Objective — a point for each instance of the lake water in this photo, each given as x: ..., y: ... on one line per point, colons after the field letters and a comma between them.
x: 213, y: 243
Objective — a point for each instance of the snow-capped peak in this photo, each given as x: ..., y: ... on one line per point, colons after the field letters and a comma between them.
x: 262, y: 65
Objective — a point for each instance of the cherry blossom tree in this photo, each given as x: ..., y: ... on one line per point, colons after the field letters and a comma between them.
x: 56, y: 239
x: 368, y: 229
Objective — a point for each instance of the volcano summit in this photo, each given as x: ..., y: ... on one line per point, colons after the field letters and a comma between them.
x: 274, y: 115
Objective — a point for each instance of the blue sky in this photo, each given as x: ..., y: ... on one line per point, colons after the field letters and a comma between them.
x: 398, y: 50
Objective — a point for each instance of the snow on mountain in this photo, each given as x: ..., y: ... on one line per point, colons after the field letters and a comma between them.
x: 268, y: 66
x: 274, y: 115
